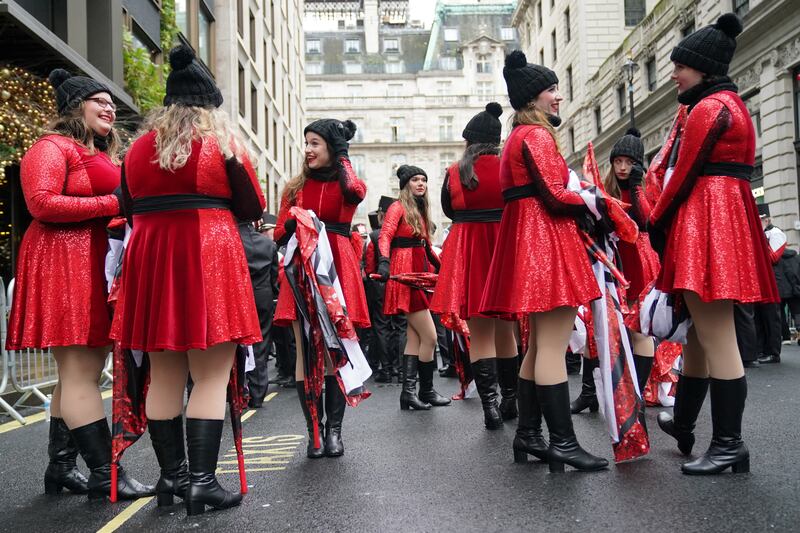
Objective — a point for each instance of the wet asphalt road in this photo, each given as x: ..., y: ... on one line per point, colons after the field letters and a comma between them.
x: 441, y: 471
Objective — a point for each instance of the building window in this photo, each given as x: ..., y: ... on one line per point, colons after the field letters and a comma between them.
x: 242, y: 110
x: 507, y: 34
x: 445, y: 129
x: 484, y: 65
x: 567, y: 29
x: 397, y: 125
x: 448, y: 63
x: 539, y: 19
x: 253, y: 108
x: 359, y: 136
x: 635, y: 11
x: 553, y: 43
x: 390, y: 45
x: 688, y: 29
x: 622, y: 100
x: 443, y: 88
x: 352, y: 46
x: 541, y: 56
x: 351, y: 67
x: 451, y: 34
x: 569, y: 83
x: 182, y: 16
x: 598, y: 119
x: 252, y: 34
x: 355, y: 91
x: 312, y: 46
x: 393, y: 67
x: 484, y: 88
x: 397, y: 160
x: 571, y: 134
x: 358, y: 163
x: 314, y: 91
x: 275, y: 140
x: 204, y: 35
x: 445, y: 160
x: 394, y: 89
x: 239, y: 15
x: 650, y: 72
x: 313, y: 67
x: 741, y: 7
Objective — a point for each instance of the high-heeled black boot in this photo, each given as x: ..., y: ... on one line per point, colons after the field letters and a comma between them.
x: 484, y: 372
x: 202, y: 440
x: 426, y: 391
x: 507, y: 372
x: 727, y: 449
x: 168, y: 443
x: 312, y: 452
x: 62, y: 471
x: 94, y: 443
x: 689, y: 396
x: 529, y: 439
x: 588, y: 396
x: 564, y: 447
x: 334, y: 414
x: 643, y: 367
x: 408, y: 396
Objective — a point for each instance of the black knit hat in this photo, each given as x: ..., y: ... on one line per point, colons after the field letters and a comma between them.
x: 763, y: 211
x: 330, y: 129
x: 72, y: 90
x: 629, y: 145
x: 710, y: 49
x: 525, y: 80
x: 189, y: 83
x: 384, y: 203
x: 406, y: 172
x: 485, y: 127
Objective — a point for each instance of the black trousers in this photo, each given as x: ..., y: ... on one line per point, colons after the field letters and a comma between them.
x: 768, y: 328
x: 258, y: 378
x: 744, y: 321
x: 381, y: 338
x: 285, y: 354
x: 444, y: 341
x: 794, y: 314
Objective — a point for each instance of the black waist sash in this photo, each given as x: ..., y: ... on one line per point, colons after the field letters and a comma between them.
x: 407, y: 242
x: 478, y: 215
x: 339, y: 228
x: 176, y: 202
x: 519, y: 192
x: 741, y: 171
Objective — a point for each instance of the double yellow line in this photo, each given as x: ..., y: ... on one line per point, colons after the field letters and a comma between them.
x: 38, y: 417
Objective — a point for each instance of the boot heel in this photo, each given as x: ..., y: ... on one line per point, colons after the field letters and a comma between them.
x: 51, y: 488
x: 520, y: 456
x: 556, y: 467
x: 404, y: 406
x: 742, y: 467
x: 195, y: 508
x: 165, y: 499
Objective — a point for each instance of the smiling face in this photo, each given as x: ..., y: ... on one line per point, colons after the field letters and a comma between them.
x: 418, y: 185
x: 98, y: 113
x: 685, y: 77
x: 549, y: 100
x: 622, y: 166
x: 317, y: 154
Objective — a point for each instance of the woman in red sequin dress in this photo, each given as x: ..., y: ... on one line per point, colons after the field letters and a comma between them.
x: 540, y: 267
x: 329, y: 187
x: 404, y: 245
x: 68, y: 178
x: 185, y: 293
x: 471, y: 197
x: 706, y: 228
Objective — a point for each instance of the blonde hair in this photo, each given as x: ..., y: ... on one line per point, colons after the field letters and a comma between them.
x: 178, y: 126
x: 611, y: 183
x: 418, y: 219
x: 533, y: 116
x: 73, y: 125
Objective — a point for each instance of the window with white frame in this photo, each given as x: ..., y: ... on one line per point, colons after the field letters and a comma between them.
x: 314, y: 90
x: 445, y: 160
x: 391, y: 45
x: 352, y: 46
x: 358, y: 165
x: 393, y: 67
x: 448, y: 63
x: 359, y: 122
x: 483, y: 88
x: 313, y: 46
x: 397, y: 125
x: 352, y: 67
x: 451, y: 34
x: 354, y: 91
x: 444, y: 88
x: 446, y: 128
x: 314, y: 67
x: 394, y: 89
x: 507, y: 34
x: 483, y: 64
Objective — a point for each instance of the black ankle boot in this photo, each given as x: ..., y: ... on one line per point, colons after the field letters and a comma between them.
x: 564, y: 447
x: 408, y: 397
x: 484, y: 372
x: 727, y: 449
x: 383, y: 376
x: 507, y: 372
x: 588, y: 396
x: 334, y: 414
x: 167, y: 438
x: 62, y: 471
x: 202, y: 440
x: 94, y: 443
x: 529, y: 439
x: 312, y: 452
x: 426, y: 391
x: 689, y: 396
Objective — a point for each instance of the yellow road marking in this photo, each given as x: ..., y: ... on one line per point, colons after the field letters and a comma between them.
x: 122, y: 517
x: 248, y: 414
x: 38, y: 417
x: 270, y: 396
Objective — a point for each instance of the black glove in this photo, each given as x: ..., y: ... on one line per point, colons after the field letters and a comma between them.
x: 290, y: 226
x: 586, y: 222
x: 658, y: 239
x: 636, y: 174
x: 383, y: 268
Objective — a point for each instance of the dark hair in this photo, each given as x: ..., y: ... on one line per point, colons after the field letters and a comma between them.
x: 473, y: 151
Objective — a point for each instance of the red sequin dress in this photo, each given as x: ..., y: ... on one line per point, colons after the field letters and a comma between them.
x: 539, y: 262
x: 467, y: 252
x: 399, y: 298
x: 185, y: 282
x: 60, y: 288
x: 336, y: 203
x: 715, y: 245
x: 639, y: 260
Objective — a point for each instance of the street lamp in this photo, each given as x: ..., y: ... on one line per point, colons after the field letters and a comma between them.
x: 629, y: 68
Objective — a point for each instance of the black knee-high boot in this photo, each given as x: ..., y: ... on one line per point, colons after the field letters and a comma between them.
x: 484, y: 372
x: 689, y: 396
x: 643, y: 367
x: 168, y: 443
x: 62, y: 471
x: 426, y: 391
x: 202, y: 440
x: 564, y: 447
x: 588, y: 396
x: 727, y: 448
x: 408, y: 396
x: 529, y: 439
x: 507, y: 372
x: 312, y: 452
x: 334, y: 414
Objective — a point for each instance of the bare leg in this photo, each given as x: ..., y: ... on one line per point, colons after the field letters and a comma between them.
x: 553, y: 329
x: 168, y: 375
x: 421, y: 323
x: 79, y: 369
x: 713, y: 323
x: 481, y: 338
x: 210, y: 370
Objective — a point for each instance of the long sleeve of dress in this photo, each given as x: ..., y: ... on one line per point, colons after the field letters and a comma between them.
x: 704, y: 126
x: 247, y: 198
x: 127, y: 199
x: 353, y: 188
x: 640, y: 207
x: 43, y: 175
x: 283, y: 215
x: 546, y: 171
x: 447, y: 204
x: 390, y: 222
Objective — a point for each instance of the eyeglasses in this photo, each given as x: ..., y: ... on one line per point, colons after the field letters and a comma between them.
x: 105, y: 104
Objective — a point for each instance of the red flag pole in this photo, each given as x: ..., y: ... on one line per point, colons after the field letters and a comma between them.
x: 113, y: 497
